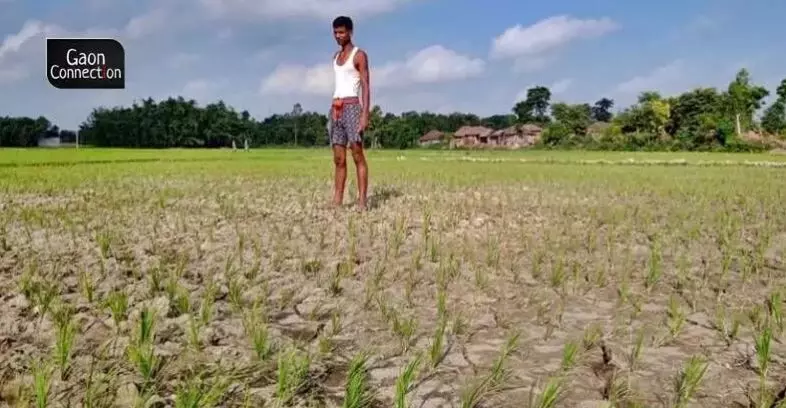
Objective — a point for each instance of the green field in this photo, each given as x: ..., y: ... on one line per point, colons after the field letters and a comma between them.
x: 502, y: 279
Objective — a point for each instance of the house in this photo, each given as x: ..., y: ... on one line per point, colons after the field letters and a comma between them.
x: 431, y: 138
x: 528, y: 135
x: 504, y: 137
x: 471, y: 136
x: 512, y: 137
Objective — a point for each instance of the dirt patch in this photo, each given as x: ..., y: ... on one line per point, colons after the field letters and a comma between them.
x: 509, y: 290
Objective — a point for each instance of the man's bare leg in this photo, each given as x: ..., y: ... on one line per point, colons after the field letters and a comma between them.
x: 362, y: 172
x: 340, y: 161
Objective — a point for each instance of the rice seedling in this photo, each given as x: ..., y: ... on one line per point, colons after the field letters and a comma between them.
x: 635, y: 351
x: 117, y: 303
x: 87, y: 286
x: 549, y: 396
x: 42, y: 383
x: 197, y: 393
x: 437, y: 343
x: 66, y: 329
x: 358, y: 392
x: 570, y: 355
x: 405, y: 380
x: 293, y: 368
x: 100, y: 387
x: 470, y: 244
x: 257, y: 331
x: 141, y: 351
x: 763, y: 341
x: 492, y: 383
x: 728, y: 327
x: 675, y: 317
x: 689, y: 380
x: 592, y: 336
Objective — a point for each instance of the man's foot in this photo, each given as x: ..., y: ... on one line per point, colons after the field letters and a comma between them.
x: 362, y: 207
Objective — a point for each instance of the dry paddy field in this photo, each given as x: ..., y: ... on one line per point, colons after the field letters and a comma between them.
x: 220, y: 279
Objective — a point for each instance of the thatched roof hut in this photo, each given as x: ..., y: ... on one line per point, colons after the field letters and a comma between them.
x: 531, y: 130
x: 432, y: 136
x: 478, y: 131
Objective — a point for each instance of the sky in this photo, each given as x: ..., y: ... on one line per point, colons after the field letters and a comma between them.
x: 437, y: 55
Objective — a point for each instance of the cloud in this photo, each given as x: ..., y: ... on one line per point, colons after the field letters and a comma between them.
x: 31, y: 29
x: 662, y: 78
x: 201, y: 89
x: 286, y: 78
x: 430, y: 65
x: 313, y: 9
x: 561, y: 86
x: 146, y: 24
x: 433, y: 64
x: 548, y: 35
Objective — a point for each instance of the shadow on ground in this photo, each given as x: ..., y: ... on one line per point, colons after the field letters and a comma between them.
x: 382, y: 194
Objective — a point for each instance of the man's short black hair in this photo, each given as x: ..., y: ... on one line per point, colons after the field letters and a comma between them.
x: 343, y: 21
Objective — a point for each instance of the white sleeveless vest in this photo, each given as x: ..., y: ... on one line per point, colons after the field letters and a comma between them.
x: 347, y: 78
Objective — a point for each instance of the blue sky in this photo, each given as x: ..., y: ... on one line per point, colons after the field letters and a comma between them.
x: 459, y: 55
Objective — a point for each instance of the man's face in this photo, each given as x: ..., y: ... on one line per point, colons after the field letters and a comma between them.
x: 342, y: 35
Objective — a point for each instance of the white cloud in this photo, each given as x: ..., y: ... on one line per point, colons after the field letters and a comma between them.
x: 145, y: 24
x: 429, y: 65
x: 200, y: 89
x: 319, y: 9
x: 561, y: 86
x: 30, y: 30
x: 547, y: 35
x: 662, y: 78
x: 33, y: 30
x: 315, y: 80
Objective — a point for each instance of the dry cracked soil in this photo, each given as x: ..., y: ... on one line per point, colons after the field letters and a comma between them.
x: 596, y: 291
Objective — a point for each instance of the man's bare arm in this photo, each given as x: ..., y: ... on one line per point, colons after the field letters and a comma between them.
x: 361, y: 62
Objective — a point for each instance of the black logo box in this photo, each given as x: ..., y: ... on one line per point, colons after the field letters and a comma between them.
x: 85, y: 63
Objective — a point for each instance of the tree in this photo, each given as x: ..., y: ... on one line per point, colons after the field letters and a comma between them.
x: 781, y: 91
x: 375, y: 121
x: 651, y: 114
x: 499, y: 121
x: 688, y: 109
x: 297, y: 110
x: 744, y: 99
x: 535, y: 107
x: 601, y: 112
x: 774, y: 119
x: 698, y: 119
x: 576, y: 118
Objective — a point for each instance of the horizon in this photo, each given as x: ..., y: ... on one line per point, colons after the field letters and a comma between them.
x: 279, y: 52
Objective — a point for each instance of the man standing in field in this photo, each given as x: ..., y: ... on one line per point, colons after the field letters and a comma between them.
x: 350, y: 110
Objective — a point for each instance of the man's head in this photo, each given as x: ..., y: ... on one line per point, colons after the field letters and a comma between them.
x: 342, y: 30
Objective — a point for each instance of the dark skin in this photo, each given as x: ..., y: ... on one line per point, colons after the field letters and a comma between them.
x: 343, y: 37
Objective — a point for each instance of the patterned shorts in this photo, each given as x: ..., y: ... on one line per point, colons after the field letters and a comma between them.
x: 345, y: 130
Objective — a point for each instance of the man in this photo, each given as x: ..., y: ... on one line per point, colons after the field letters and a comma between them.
x: 349, y: 111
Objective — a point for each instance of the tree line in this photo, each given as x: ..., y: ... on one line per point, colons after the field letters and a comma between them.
x: 699, y: 119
